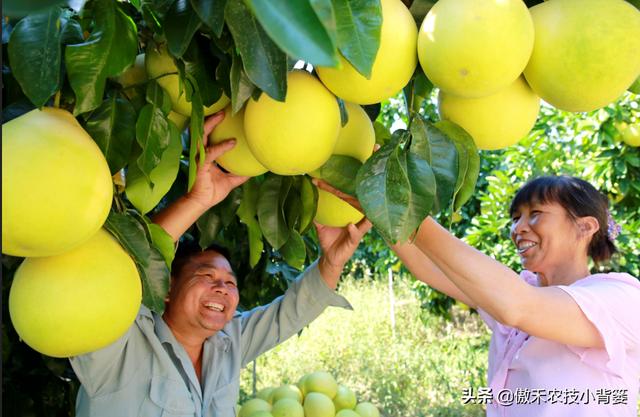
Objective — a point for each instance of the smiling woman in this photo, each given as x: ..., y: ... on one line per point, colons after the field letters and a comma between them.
x: 559, y: 331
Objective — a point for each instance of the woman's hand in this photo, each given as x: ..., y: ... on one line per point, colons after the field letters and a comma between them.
x: 212, y: 185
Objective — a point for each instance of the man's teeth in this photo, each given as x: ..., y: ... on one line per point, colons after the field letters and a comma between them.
x: 525, y: 245
x: 214, y: 306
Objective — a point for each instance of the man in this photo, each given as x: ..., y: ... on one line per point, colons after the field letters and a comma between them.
x: 188, y: 362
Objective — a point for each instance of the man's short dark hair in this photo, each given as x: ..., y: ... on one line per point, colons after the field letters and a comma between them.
x: 187, y: 248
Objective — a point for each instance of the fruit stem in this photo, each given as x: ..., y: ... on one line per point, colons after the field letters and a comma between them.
x: 56, y: 100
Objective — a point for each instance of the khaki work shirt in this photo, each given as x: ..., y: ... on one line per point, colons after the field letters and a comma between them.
x: 147, y: 373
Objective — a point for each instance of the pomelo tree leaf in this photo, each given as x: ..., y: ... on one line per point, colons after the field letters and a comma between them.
x: 435, y: 147
x: 326, y: 14
x: 211, y: 12
x: 151, y: 265
x: 293, y: 205
x: 241, y: 85
x: 163, y: 242
x: 296, y: 29
x: 396, y: 189
x: 209, y: 224
x: 294, y: 251
x: 468, y: 162
x: 340, y: 171
x: 157, y: 96
x: 272, y: 196
x: 358, y: 30
x: 35, y: 54
x: 309, y: 200
x: 145, y: 193
x: 18, y: 8
x: 417, y: 91
x: 153, y: 135
x: 199, y: 66
x: 71, y: 30
x: 180, y: 24
x: 112, y: 127
x: 109, y: 50
x: 196, y: 130
x: 247, y: 212
x: 264, y: 63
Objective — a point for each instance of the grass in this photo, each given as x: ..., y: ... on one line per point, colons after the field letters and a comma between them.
x: 418, y: 370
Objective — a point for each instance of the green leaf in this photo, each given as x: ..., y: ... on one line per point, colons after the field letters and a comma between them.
x: 326, y: 14
x: 294, y: 250
x: 110, y: 49
x: 340, y: 171
x: 247, y: 213
x: 157, y: 96
x: 211, y: 12
x: 272, y: 196
x: 209, y: 224
x: 396, y: 189
x: 153, y: 136
x: 382, y: 133
x: 196, y: 144
x: 435, y: 147
x: 163, y: 242
x: 468, y: 162
x: 112, y: 127
x: 241, y: 86
x: 139, y: 189
x: 359, y: 23
x: 180, y: 24
x: 17, y: 8
x: 151, y: 265
x: 296, y: 29
x: 198, y: 68
x: 417, y: 91
x: 71, y: 30
x: 35, y: 55
x: 264, y: 63
x: 309, y: 199
x: 344, y: 114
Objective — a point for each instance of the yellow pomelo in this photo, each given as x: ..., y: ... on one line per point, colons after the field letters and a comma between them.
x: 393, y: 66
x: 252, y: 406
x: 322, y: 382
x: 334, y: 211
x: 356, y: 139
x: 178, y: 119
x: 76, y: 302
x: 287, y: 407
x: 494, y: 121
x: 345, y: 398
x: 317, y: 404
x: 56, y: 184
x: 266, y: 394
x: 473, y: 48
x: 586, y: 52
x: 630, y: 133
x: 366, y: 409
x: 301, y: 384
x: 135, y: 74
x: 262, y: 413
x: 239, y: 160
x: 144, y: 196
x: 160, y: 64
x: 298, y: 135
x: 347, y: 413
x: 287, y: 391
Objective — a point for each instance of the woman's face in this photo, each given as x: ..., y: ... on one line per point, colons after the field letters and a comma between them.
x: 545, y: 237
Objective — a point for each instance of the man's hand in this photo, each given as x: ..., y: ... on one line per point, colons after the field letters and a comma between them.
x: 212, y: 185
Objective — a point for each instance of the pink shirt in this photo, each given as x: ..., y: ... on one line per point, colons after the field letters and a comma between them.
x: 543, y: 378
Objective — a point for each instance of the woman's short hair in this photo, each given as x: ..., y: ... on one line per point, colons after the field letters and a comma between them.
x: 579, y: 198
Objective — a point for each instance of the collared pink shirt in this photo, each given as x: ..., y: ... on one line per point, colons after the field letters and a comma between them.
x: 543, y: 378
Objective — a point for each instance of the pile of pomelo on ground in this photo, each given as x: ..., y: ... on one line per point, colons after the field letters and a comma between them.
x: 315, y: 395
x: 491, y: 60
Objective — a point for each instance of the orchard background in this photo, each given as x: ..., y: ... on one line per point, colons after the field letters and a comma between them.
x: 73, y: 55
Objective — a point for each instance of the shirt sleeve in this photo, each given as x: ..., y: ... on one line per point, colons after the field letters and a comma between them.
x: 613, y: 307
x: 306, y: 298
x: 109, y: 367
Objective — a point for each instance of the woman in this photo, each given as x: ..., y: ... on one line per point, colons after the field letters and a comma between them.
x: 565, y: 342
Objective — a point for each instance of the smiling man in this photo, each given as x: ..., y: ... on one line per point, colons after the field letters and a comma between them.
x: 187, y: 362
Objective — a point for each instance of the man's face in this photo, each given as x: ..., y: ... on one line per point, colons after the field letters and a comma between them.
x: 204, y: 297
